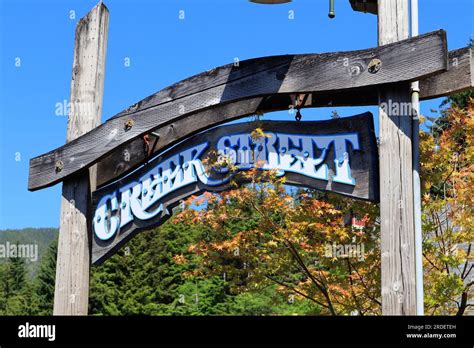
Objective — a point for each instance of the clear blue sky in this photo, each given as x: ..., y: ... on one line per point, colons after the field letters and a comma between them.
x: 162, y: 50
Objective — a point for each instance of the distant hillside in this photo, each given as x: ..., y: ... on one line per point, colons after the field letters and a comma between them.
x: 40, y: 236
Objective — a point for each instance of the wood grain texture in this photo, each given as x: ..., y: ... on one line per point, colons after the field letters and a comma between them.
x: 263, y: 77
x: 396, y: 176
x: 363, y: 164
x: 458, y: 78
x: 127, y: 157
x: 71, y: 293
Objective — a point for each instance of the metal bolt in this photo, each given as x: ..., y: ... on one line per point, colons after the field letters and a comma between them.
x: 374, y: 66
x: 59, y: 165
x: 128, y: 124
x: 355, y: 70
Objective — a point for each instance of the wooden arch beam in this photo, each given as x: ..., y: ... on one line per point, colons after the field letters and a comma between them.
x: 130, y: 156
x: 253, y: 81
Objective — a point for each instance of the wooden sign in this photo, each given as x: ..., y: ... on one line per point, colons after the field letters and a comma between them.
x: 338, y: 155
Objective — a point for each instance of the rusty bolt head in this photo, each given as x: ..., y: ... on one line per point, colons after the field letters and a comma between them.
x: 374, y: 66
x: 128, y: 124
x: 58, y: 166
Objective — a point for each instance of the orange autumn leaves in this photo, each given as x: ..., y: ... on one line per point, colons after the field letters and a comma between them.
x: 263, y: 233
x: 447, y: 163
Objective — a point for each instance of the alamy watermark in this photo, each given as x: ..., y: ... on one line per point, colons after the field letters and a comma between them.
x: 37, y: 331
x: 399, y: 108
x: 65, y: 108
x: 335, y: 250
x: 15, y: 250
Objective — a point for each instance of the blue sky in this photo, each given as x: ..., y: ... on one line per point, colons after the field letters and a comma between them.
x: 162, y: 49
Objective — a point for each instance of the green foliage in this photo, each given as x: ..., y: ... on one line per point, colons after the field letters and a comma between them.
x: 148, y: 277
x: 3, y: 291
x: 42, y: 237
x: 447, y: 172
x: 14, y: 288
x: 44, y: 285
x: 144, y: 277
x: 200, y: 297
x: 271, y: 302
x: 16, y: 274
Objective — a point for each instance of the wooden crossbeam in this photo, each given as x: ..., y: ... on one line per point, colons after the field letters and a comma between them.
x: 127, y: 157
x: 404, y: 61
x: 458, y: 78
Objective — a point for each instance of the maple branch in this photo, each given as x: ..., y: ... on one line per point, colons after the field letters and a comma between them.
x: 365, y: 285
x: 430, y: 262
x: 297, y: 291
x: 467, y: 261
x: 351, y: 282
x: 306, y: 270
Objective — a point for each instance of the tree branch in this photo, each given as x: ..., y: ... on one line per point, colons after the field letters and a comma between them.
x: 297, y: 291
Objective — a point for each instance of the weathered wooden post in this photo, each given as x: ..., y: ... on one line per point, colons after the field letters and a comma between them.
x: 396, y: 176
x: 74, y: 249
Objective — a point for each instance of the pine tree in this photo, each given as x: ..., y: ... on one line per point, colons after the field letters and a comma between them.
x: 15, y: 288
x: 45, y: 280
x: 16, y: 274
x: 3, y: 289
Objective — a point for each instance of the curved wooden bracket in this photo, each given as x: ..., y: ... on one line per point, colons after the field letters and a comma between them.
x: 230, y: 92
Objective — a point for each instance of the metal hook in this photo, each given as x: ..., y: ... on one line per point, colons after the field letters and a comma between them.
x: 298, y: 115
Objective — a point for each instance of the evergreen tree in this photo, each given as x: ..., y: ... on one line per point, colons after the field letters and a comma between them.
x: 144, y: 277
x: 14, y: 288
x: 16, y: 274
x: 157, y: 273
x: 45, y: 281
x: 3, y: 289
